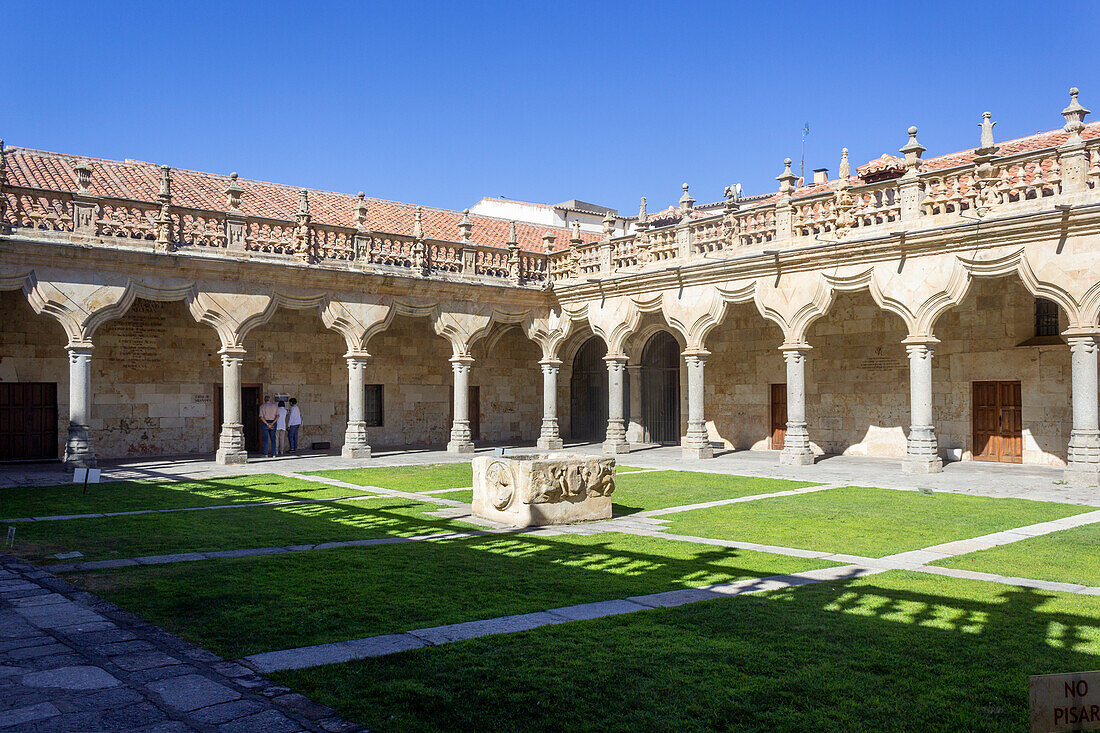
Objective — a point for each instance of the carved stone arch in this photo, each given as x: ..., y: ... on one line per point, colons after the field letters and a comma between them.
x: 357, y: 321
x: 1015, y: 261
x: 613, y: 320
x: 232, y: 315
x: 793, y: 302
x: 80, y: 307
x: 693, y: 313
x: 549, y: 330
x: 461, y: 329
x: 637, y: 341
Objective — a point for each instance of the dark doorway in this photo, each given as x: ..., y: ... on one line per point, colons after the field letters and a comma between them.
x: 28, y: 421
x: 779, y: 416
x: 252, y: 396
x: 661, y: 389
x: 998, y: 422
x: 588, y: 393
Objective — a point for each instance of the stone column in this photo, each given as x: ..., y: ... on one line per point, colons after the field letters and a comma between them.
x: 796, y: 446
x: 78, y: 445
x: 550, y: 436
x: 460, y: 431
x: 1084, y: 441
x: 696, y: 444
x: 355, y: 437
x: 615, y: 442
x: 635, y: 431
x: 231, y: 441
x: 921, y: 448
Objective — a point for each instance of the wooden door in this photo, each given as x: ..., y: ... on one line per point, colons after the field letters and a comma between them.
x: 252, y: 396
x: 660, y: 390
x: 779, y: 416
x: 28, y: 421
x: 998, y: 422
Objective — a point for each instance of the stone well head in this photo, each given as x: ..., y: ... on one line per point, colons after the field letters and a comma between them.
x: 532, y: 489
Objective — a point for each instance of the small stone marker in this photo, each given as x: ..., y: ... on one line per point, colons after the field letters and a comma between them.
x: 1064, y: 702
x: 69, y: 555
x: 10, y: 539
x: 926, y: 492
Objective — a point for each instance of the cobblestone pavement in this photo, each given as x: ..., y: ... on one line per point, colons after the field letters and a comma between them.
x: 70, y: 661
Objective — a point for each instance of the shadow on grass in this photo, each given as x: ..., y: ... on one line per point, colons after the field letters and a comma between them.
x: 243, y: 606
x: 894, y: 652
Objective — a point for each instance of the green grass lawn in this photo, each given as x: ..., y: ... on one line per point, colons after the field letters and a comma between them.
x: 1069, y: 556
x: 865, y: 521
x: 892, y: 652
x: 229, y: 529
x: 466, y: 495
x: 406, y: 478
x: 124, y: 496
x: 662, y: 489
x: 248, y: 605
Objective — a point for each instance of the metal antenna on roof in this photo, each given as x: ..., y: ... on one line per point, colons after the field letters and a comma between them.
x: 802, y: 167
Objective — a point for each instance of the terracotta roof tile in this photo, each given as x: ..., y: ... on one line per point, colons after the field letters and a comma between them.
x: 193, y: 189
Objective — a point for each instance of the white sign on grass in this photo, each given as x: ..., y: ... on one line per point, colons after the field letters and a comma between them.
x: 86, y: 475
x: 1064, y: 702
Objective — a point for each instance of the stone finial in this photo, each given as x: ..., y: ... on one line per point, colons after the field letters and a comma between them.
x: 913, y: 150
x: 686, y: 201
x: 361, y: 213
x: 1075, y: 117
x: 233, y: 194
x: 844, y: 172
x: 787, y: 178
x: 83, y: 171
x: 608, y: 224
x: 548, y: 241
x: 576, y: 238
x: 466, y: 226
x: 986, y: 146
x: 165, y: 195
x: 512, y: 239
x: 303, y: 202
x: 643, y: 215
x: 418, y: 223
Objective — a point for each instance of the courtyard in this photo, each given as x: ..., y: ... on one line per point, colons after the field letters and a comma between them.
x: 304, y: 594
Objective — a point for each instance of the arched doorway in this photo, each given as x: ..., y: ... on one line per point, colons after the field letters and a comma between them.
x: 661, y: 389
x: 588, y: 393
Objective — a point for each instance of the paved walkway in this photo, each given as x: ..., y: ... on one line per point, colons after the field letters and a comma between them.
x: 70, y: 661
x: 965, y: 477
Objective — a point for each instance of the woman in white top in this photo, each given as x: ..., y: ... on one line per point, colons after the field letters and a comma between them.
x: 280, y: 430
x: 293, y: 422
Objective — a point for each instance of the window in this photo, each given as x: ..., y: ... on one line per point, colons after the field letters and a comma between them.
x: 372, y: 404
x: 1046, y: 317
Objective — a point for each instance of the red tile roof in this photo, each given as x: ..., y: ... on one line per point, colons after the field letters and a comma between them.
x: 140, y: 181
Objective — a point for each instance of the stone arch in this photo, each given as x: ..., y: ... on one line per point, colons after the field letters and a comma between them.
x: 659, y: 360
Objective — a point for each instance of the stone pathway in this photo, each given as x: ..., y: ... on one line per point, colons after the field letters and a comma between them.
x: 70, y: 661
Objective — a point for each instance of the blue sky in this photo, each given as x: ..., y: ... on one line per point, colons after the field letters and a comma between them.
x: 443, y: 103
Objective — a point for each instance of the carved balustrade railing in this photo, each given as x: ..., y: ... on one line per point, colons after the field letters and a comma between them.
x: 198, y: 228
x: 38, y: 209
x: 707, y: 235
x: 624, y: 252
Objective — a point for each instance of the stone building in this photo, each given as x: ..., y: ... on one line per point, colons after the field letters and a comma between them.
x: 926, y: 308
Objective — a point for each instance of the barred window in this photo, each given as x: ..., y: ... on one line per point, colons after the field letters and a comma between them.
x: 372, y: 403
x: 1046, y: 317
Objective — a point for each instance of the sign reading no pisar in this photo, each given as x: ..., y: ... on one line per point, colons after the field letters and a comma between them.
x: 1065, y: 702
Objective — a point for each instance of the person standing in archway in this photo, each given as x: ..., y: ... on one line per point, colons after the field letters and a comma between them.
x: 269, y: 415
x: 280, y: 429
x: 293, y: 423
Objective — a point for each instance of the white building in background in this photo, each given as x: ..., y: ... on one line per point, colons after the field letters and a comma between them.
x: 590, y: 216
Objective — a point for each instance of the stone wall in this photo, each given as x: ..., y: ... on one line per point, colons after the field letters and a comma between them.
x: 857, y: 377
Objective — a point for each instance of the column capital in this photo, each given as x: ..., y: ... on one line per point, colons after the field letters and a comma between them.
x: 463, y: 360
x: 926, y: 340
x: 1086, y: 344
x: 699, y: 353
x: 550, y: 362
x: 920, y: 350
x: 232, y: 351
x: 358, y: 356
x: 616, y: 358
x: 796, y: 346
x: 79, y: 348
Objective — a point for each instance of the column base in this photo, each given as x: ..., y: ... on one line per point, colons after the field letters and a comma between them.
x: 355, y: 451
x: 634, y: 432
x: 792, y: 458
x: 78, y: 451
x: 922, y: 465
x: 231, y: 456
x: 696, y: 452
x: 1082, y: 475
x: 614, y: 447
x: 549, y: 444
x: 460, y: 446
